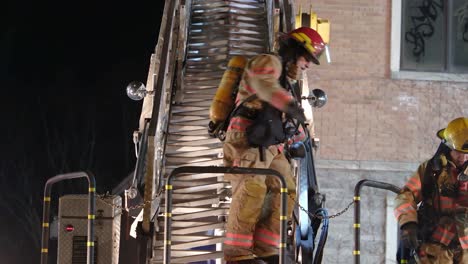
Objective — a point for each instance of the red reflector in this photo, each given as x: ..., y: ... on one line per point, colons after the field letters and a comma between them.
x: 69, y: 228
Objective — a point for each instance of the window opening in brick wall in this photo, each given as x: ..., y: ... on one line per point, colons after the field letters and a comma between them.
x: 430, y: 40
x: 434, y: 35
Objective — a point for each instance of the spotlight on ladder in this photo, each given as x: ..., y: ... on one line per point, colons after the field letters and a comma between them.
x: 136, y: 91
x: 317, y: 98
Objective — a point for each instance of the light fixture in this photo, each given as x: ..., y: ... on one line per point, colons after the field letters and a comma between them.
x: 136, y: 90
x: 317, y: 98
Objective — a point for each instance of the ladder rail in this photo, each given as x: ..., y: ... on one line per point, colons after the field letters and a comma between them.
x: 230, y: 170
x: 193, y: 48
x: 357, y: 210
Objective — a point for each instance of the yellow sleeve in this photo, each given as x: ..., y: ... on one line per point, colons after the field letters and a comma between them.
x: 262, y: 78
x: 407, y: 200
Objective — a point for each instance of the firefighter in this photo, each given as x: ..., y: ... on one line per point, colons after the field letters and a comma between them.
x: 432, y: 207
x: 253, y: 226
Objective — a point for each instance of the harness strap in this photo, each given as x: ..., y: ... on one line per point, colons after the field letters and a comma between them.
x: 224, y: 125
x: 261, y: 150
x: 430, y: 191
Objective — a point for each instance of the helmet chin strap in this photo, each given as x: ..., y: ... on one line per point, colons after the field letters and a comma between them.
x: 461, y: 167
x: 463, y: 172
x: 464, y: 167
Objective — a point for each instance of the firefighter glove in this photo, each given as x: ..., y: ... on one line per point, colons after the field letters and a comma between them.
x: 297, y: 150
x: 295, y: 111
x: 409, y: 235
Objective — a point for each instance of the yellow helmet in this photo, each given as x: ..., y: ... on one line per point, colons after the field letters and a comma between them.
x: 455, y: 135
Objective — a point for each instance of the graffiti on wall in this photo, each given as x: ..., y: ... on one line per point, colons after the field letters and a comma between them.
x: 462, y: 18
x: 422, y: 25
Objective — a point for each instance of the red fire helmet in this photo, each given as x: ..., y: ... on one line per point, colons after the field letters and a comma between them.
x: 311, y: 41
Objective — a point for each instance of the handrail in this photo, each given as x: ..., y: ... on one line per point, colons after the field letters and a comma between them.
x: 357, y: 210
x: 287, y: 18
x: 164, y: 81
x: 165, y: 35
x: 165, y: 94
x: 230, y: 170
x: 133, y: 181
x: 314, y: 183
x: 311, y: 201
x: 141, y: 158
x: 91, y: 213
x: 271, y: 25
x: 323, y: 236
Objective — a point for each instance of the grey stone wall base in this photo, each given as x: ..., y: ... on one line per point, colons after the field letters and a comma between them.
x: 367, y: 165
x: 337, y: 180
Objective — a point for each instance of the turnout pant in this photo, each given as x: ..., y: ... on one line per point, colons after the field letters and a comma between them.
x: 253, y: 227
x: 436, y: 253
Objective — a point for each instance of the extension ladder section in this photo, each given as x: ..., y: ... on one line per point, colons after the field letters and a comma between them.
x: 216, y: 31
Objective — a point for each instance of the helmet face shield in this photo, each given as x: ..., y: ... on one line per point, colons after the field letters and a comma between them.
x: 327, y: 54
x: 324, y: 56
x: 455, y: 136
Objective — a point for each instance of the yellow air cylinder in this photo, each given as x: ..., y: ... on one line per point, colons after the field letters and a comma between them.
x: 223, y: 100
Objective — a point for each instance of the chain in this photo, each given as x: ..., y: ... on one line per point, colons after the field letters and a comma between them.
x: 318, y: 216
x: 311, y: 215
x: 134, y: 207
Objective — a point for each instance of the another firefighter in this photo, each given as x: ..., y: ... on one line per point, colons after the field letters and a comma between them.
x: 253, y: 227
x: 432, y: 208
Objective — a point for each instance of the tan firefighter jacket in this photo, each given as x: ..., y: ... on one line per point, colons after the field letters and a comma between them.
x: 453, y: 222
x: 261, y: 77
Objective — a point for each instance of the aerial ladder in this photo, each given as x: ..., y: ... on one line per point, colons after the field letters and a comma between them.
x: 179, y: 172
x: 196, y: 40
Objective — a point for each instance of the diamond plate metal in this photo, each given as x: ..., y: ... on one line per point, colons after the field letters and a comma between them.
x: 73, y: 210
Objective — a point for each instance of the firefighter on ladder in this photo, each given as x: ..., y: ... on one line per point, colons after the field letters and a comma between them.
x: 432, y: 207
x: 253, y: 227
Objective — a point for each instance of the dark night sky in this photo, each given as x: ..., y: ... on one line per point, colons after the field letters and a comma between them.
x: 64, y: 67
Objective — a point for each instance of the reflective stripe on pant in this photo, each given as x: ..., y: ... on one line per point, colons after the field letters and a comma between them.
x: 255, y: 206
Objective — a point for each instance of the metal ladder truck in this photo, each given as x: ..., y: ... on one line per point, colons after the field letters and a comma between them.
x: 183, y: 217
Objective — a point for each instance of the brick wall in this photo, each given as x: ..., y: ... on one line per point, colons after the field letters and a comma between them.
x: 371, y: 118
